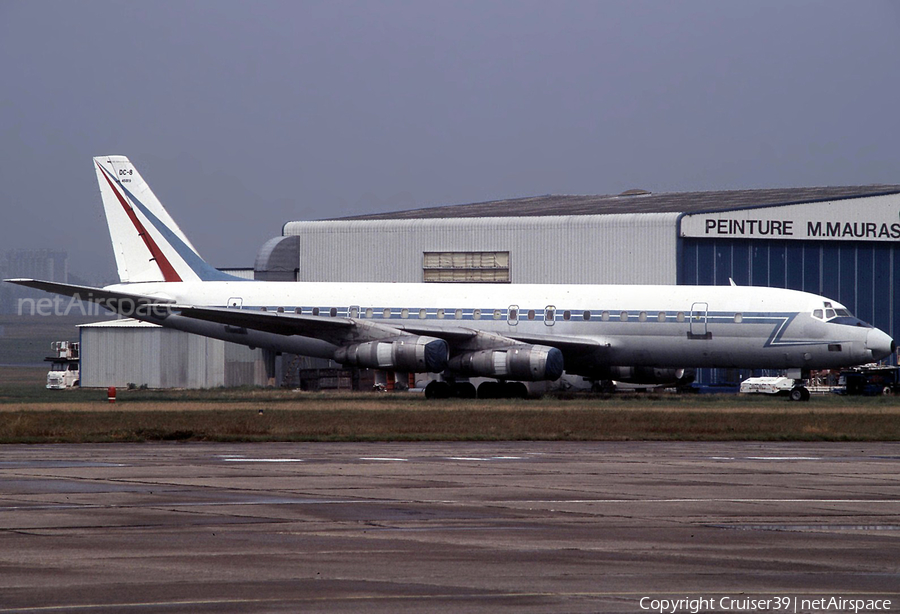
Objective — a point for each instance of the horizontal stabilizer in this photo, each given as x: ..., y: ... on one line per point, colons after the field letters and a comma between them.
x: 123, y: 303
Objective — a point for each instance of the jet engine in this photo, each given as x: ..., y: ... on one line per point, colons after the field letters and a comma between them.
x: 408, y: 353
x: 528, y: 363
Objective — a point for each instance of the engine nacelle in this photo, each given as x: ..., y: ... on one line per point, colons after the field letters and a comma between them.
x: 651, y: 375
x: 410, y: 354
x: 529, y: 363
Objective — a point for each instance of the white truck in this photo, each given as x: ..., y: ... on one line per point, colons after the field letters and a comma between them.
x: 785, y: 386
x: 64, y: 365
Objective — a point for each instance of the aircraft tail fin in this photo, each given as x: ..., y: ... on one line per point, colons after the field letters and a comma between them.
x: 148, y: 244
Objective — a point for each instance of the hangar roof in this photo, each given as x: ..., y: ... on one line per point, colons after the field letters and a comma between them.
x: 636, y: 201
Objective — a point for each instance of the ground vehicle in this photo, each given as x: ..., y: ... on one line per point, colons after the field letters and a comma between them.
x: 776, y: 385
x: 870, y: 381
x: 64, y: 369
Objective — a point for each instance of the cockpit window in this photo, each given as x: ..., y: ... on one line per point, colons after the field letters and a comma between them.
x: 830, y: 312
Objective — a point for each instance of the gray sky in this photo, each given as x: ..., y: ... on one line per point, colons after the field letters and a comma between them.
x: 245, y: 115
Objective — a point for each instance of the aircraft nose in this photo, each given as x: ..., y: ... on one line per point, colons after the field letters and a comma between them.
x: 880, y: 344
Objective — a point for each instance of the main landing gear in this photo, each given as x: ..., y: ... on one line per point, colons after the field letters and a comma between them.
x: 465, y: 390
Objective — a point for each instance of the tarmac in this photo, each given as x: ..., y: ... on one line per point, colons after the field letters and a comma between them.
x: 450, y: 527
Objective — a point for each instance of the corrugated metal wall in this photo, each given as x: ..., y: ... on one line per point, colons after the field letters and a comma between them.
x: 117, y: 354
x: 862, y: 275
x: 615, y: 249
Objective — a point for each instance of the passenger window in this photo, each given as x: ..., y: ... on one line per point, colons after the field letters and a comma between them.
x: 369, y: 312
x: 586, y: 315
x: 498, y: 314
x: 333, y: 311
x: 476, y: 314
x: 280, y: 310
x: 531, y: 314
x: 642, y: 316
x: 567, y: 315
x: 623, y: 316
x: 386, y: 313
x: 298, y: 311
x: 550, y: 314
x: 404, y: 313
x: 661, y: 316
x: 422, y: 314
x: 315, y: 311
x: 738, y: 318
x: 605, y: 316
x: 440, y: 314
x: 263, y: 309
x: 458, y: 314
x: 680, y: 316
x: 513, y: 314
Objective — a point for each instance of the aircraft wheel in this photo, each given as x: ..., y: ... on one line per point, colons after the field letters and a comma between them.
x: 799, y: 393
x: 515, y: 390
x: 464, y: 390
x: 490, y: 390
x: 437, y: 390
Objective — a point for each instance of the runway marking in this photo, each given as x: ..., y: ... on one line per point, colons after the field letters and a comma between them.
x: 488, y: 458
x: 263, y: 460
x: 773, y: 458
x: 386, y: 459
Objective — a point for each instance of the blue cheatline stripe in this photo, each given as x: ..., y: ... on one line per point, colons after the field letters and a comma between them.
x: 203, y: 270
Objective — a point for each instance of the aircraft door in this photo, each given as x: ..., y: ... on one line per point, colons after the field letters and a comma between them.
x: 699, y: 318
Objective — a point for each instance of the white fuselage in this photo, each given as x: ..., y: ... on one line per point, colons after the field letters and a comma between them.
x: 656, y: 326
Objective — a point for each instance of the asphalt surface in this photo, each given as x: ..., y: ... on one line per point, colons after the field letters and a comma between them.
x: 447, y: 527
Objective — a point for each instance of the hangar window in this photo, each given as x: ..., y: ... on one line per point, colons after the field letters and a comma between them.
x: 461, y: 267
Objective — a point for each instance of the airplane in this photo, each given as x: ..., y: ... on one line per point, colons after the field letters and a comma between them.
x: 511, y: 333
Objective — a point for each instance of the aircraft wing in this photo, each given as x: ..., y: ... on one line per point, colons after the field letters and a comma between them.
x: 271, y: 322
x: 343, y: 331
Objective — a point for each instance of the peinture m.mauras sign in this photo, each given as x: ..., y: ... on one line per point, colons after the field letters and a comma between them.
x: 872, y: 218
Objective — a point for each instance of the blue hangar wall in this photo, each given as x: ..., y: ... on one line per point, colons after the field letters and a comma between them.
x: 847, y: 250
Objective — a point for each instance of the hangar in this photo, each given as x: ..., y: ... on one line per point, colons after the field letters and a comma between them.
x: 840, y: 242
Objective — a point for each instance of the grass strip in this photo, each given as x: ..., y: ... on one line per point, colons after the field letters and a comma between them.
x: 442, y: 424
